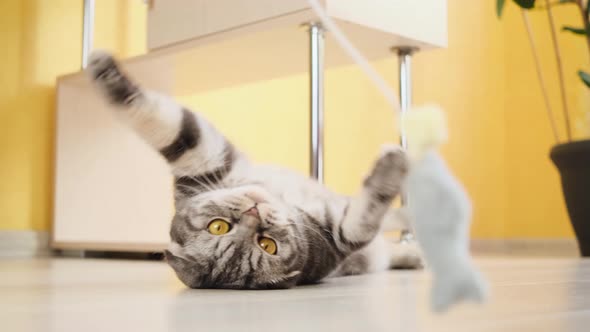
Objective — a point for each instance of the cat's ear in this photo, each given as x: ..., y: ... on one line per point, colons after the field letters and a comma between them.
x: 176, y: 262
x: 185, y: 270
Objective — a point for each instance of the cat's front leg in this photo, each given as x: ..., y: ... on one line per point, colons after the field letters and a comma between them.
x: 200, y: 157
x: 364, y: 215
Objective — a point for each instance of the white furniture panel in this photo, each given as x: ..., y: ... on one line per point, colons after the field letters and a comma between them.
x: 111, y: 191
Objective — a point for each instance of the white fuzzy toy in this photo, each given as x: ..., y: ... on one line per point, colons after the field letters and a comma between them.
x: 440, y: 212
x: 439, y: 207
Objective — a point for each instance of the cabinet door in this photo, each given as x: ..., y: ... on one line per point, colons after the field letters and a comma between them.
x: 112, y: 191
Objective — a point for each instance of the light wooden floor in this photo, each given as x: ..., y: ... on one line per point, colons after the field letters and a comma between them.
x: 110, y: 295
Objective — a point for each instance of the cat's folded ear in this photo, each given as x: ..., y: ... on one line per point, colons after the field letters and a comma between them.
x: 174, y: 261
x: 177, y: 263
x: 186, y: 270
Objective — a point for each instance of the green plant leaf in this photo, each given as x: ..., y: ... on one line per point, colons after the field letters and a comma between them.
x: 577, y: 31
x: 585, y: 77
x: 526, y: 4
x: 500, y: 7
x: 588, y: 9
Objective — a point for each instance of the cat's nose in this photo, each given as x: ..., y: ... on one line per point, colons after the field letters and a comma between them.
x: 251, y: 218
x: 253, y: 211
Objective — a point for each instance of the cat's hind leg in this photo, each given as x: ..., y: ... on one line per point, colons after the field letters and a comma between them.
x: 372, y: 258
x: 405, y: 255
x: 381, y: 255
x: 401, y: 255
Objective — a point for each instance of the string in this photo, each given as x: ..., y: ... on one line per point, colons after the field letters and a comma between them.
x: 356, y: 56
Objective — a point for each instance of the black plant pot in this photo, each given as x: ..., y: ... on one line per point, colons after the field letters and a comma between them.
x: 573, y: 162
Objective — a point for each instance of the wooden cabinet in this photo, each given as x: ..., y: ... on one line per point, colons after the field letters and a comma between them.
x: 111, y: 191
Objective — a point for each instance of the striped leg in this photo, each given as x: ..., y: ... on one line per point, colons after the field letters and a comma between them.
x: 363, y: 217
x: 198, y: 154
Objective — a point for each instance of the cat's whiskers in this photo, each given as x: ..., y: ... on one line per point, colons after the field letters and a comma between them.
x: 188, y: 188
x: 302, y: 239
x: 315, y: 231
x: 210, y: 184
x: 200, y: 185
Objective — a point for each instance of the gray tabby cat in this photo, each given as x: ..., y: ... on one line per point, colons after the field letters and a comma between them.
x: 245, y: 226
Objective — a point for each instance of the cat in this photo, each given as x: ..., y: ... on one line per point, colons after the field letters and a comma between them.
x: 239, y: 225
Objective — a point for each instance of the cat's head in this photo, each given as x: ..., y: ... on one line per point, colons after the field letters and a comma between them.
x: 236, y: 238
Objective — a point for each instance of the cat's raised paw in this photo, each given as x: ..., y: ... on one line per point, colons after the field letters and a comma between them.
x: 392, y: 163
x: 100, y: 63
x: 386, y: 177
x: 394, y: 156
x: 104, y: 71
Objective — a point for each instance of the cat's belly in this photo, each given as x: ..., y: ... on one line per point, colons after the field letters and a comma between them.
x: 374, y: 257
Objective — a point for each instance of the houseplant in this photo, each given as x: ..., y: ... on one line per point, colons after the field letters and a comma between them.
x: 571, y: 157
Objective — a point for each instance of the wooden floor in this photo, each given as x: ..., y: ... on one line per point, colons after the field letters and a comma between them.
x: 115, y: 295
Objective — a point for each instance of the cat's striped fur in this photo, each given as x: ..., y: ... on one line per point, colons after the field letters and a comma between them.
x: 318, y: 233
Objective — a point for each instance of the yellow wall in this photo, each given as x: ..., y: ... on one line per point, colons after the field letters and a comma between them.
x: 535, y: 204
x: 35, y: 38
x: 41, y: 41
x: 485, y: 80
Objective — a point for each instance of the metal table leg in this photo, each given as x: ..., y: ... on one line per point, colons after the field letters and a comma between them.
x: 316, y: 75
x: 405, y: 93
x: 87, y: 31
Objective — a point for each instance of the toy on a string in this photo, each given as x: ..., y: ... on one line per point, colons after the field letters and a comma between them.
x: 439, y: 207
x: 440, y: 212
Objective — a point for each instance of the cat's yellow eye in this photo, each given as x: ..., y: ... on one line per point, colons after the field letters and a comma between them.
x: 267, y: 244
x: 218, y: 227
